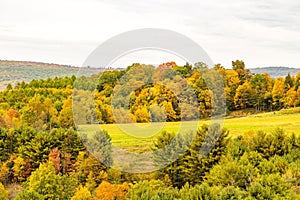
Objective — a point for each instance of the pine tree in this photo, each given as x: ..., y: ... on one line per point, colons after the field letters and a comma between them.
x: 206, y: 150
x: 169, y: 151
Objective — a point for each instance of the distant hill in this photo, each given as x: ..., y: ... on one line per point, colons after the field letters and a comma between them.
x: 276, y: 71
x: 16, y: 71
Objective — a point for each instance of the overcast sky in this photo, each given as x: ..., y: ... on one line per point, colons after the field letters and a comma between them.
x: 259, y: 32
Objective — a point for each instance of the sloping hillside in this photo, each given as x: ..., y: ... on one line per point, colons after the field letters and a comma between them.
x: 16, y: 71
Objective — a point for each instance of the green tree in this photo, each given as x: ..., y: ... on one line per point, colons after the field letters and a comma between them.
x: 201, y: 192
x: 206, y: 150
x: 5, y: 144
x: 270, y: 187
x: 268, y: 145
x: 288, y: 83
x: 100, y: 147
x: 239, y: 67
x: 38, y: 149
x: 233, y: 173
x: 109, y: 79
x: 29, y: 195
x: 169, y: 151
x: 260, y: 84
x: 8, y: 87
x: 45, y: 182
x: 145, y: 190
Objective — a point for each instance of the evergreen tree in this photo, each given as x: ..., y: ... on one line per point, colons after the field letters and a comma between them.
x: 206, y: 150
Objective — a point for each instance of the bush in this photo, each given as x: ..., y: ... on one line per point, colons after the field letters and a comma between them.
x: 29, y: 195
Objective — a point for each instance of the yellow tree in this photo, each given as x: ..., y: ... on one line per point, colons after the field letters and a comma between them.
x: 33, y: 114
x: 3, y: 193
x: 19, y: 169
x: 232, y: 81
x: 90, y: 182
x: 244, y: 96
x: 290, y: 99
x: 278, y: 92
x: 142, y: 114
x: 50, y: 112
x: 66, y: 114
x: 82, y: 193
x: 4, y: 172
x: 107, y: 191
x: 89, y: 168
x: 46, y: 183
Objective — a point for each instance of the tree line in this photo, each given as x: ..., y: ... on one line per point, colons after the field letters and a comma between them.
x: 47, y: 104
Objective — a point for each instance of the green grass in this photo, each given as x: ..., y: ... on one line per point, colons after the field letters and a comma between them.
x: 139, y: 137
x: 266, y: 122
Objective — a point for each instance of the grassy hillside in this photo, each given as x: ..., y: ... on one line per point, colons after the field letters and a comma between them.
x: 16, y: 71
x: 289, y: 120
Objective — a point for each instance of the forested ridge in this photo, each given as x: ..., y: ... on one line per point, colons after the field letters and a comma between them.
x: 42, y: 151
x: 14, y: 71
x: 275, y: 72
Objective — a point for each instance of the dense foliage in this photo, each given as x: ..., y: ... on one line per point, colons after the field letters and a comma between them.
x: 47, y: 104
x: 41, y: 150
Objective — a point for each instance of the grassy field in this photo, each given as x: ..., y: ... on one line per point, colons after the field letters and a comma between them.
x: 139, y: 137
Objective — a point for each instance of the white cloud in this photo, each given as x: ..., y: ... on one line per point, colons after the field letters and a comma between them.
x: 262, y: 33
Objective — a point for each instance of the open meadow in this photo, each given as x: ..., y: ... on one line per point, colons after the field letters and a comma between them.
x: 139, y: 137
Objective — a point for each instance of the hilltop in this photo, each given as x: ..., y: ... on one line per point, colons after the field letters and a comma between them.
x: 276, y: 71
x: 16, y: 71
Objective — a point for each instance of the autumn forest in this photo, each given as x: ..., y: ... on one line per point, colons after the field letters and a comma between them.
x: 43, y: 156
